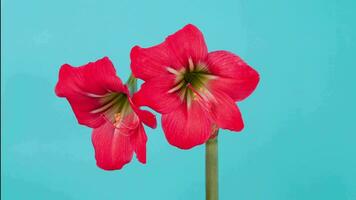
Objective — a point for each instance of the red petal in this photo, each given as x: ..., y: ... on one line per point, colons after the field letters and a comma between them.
x: 225, y: 112
x: 129, y: 122
x: 147, y: 63
x: 188, y: 43
x: 139, y: 140
x: 236, y: 78
x: 174, y: 52
x: 145, y: 116
x: 112, y: 146
x: 84, y: 86
x: 154, y: 93
x: 186, y: 128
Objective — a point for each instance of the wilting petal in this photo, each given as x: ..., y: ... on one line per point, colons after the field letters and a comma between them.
x: 113, y: 148
x: 86, y: 86
x: 155, y: 94
x: 186, y: 128
x: 225, y: 112
x: 236, y: 78
x: 147, y: 63
x: 138, y: 141
x: 188, y: 43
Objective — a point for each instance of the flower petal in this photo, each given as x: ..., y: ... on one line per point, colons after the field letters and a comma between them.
x: 188, y: 43
x: 174, y: 52
x: 155, y: 94
x: 147, y: 63
x: 113, y: 148
x: 186, y: 128
x: 85, y: 86
x: 128, y: 122
x: 225, y: 112
x: 145, y: 116
x: 236, y: 78
x: 95, y: 78
x: 138, y: 141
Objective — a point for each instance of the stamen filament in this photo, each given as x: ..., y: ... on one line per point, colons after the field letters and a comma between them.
x: 176, y: 88
x: 106, y: 106
x: 173, y: 71
x: 191, y: 64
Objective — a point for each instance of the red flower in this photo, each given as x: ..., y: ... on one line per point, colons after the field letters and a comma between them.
x: 194, y: 90
x: 101, y: 101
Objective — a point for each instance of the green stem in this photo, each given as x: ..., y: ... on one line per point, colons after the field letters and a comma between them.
x: 132, y: 84
x: 211, y: 168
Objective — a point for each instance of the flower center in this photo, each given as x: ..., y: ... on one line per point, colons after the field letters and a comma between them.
x: 190, y: 77
x: 191, y: 81
x: 115, y: 107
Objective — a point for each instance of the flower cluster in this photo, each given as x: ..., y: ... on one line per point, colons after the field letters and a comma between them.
x: 194, y: 90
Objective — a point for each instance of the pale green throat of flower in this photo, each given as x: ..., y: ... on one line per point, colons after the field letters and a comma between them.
x: 191, y: 82
x: 116, y: 106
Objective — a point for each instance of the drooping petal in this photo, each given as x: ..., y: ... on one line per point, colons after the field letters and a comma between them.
x: 186, y: 128
x: 155, y: 94
x: 188, y: 43
x: 145, y: 116
x: 86, y: 86
x: 147, y: 63
x: 138, y: 141
x: 225, y: 113
x: 235, y: 77
x: 113, y: 148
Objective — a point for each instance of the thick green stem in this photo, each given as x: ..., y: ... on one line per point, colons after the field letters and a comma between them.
x: 211, y: 168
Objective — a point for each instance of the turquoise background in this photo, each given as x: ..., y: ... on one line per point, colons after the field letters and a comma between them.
x: 299, y: 140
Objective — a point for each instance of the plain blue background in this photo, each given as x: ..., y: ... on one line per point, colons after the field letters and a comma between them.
x: 299, y: 140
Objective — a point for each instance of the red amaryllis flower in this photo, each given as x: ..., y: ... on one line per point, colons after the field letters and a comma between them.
x: 101, y: 101
x: 194, y: 90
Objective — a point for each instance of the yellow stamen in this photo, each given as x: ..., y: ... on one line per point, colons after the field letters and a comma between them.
x: 117, y: 118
